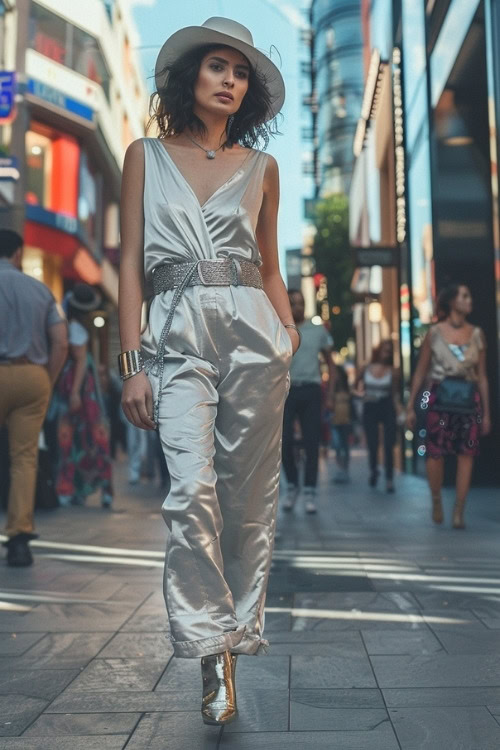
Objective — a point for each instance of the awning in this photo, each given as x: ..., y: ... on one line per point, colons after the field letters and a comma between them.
x: 78, y: 264
x: 51, y: 240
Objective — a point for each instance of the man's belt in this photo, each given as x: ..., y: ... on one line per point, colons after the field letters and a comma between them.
x: 16, y: 361
x: 224, y: 272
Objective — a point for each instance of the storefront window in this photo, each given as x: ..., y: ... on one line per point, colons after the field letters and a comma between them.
x: 48, y: 34
x: 38, y: 169
x: 52, y: 36
x: 87, y: 59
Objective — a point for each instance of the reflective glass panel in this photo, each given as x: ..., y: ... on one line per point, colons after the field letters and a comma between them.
x: 418, y: 164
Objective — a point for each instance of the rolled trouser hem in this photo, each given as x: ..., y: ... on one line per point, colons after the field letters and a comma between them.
x: 206, y: 646
x: 251, y: 645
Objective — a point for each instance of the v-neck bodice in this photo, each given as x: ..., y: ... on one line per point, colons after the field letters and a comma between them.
x: 178, y: 229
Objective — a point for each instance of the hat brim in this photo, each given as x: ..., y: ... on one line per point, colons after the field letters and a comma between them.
x: 196, y: 36
x: 85, y: 306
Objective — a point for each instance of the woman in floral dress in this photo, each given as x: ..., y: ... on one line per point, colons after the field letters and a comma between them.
x: 84, y: 459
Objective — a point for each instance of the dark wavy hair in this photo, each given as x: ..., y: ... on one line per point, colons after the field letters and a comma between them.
x: 9, y: 242
x: 377, y: 351
x: 446, y: 297
x: 171, y: 106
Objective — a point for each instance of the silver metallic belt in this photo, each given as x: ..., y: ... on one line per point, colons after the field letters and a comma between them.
x: 178, y: 276
x: 226, y: 272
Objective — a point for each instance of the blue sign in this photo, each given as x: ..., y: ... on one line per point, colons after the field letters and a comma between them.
x: 7, y: 93
x: 57, y: 98
x: 63, y: 222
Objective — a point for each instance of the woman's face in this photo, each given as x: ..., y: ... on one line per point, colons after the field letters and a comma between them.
x: 222, y: 82
x: 297, y: 306
x: 463, y: 301
x: 386, y: 353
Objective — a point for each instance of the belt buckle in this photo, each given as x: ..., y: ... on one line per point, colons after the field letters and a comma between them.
x: 208, y: 271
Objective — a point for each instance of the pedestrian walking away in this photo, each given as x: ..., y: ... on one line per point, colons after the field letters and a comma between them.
x: 33, y: 348
x: 199, y: 215
x: 341, y: 424
x: 455, y: 399
x: 304, y: 403
x: 79, y: 413
x: 378, y: 385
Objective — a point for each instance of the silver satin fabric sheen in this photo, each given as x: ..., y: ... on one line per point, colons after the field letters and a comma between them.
x: 224, y: 387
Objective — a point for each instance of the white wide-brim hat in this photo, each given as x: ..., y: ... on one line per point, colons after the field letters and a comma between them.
x: 223, y: 31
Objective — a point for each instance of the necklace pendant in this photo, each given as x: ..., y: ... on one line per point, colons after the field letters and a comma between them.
x: 210, y: 154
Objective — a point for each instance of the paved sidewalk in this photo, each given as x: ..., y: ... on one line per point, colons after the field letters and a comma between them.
x: 384, y: 630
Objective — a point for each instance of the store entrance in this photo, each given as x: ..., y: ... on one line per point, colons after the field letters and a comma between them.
x: 463, y: 228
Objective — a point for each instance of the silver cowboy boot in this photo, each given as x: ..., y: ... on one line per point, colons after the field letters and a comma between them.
x: 219, y: 690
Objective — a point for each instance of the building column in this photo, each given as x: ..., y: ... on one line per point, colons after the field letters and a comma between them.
x: 16, y: 215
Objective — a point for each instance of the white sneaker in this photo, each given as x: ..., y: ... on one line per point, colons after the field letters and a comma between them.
x: 310, y: 497
x: 292, y: 493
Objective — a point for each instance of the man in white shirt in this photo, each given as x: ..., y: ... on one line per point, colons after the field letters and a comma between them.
x: 304, y: 403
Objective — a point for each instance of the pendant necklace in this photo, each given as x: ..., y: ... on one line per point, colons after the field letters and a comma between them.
x: 210, y: 152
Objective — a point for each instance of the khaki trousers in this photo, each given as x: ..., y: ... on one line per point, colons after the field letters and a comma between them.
x: 24, y: 397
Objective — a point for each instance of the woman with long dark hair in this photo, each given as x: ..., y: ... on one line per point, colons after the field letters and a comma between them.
x: 378, y: 385
x: 78, y: 412
x: 199, y: 215
x: 452, y: 369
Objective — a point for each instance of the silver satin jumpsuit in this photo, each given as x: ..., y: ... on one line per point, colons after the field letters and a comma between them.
x: 220, y: 415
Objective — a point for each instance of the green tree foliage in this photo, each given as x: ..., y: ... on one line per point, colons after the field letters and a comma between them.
x: 334, y: 259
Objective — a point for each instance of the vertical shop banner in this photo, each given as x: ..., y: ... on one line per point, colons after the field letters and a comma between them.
x: 7, y: 96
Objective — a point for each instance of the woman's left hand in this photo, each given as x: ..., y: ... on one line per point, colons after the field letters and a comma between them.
x: 486, y: 425
x: 295, y: 339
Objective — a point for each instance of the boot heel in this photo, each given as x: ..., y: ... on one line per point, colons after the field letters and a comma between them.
x: 219, y: 689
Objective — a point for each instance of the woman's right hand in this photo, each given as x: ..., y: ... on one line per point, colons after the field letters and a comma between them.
x: 411, y: 418
x: 137, y: 401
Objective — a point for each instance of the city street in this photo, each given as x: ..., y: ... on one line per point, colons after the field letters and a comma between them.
x: 384, y: 631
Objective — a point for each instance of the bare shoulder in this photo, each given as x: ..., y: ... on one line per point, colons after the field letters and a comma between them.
x: 271, y: 175
x: 480, y: 334
x: 133, y: 165
x: 271, y: 163
x: 135, y: 149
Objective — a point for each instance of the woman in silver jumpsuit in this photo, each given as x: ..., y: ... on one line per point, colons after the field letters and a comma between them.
x: 199, y: 216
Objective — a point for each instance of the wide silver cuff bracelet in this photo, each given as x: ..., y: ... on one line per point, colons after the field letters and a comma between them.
x: 130, y: 363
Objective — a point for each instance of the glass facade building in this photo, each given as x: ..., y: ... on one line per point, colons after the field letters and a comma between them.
x: 338, y: 70
x: 444, y: 58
